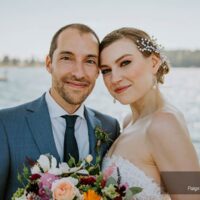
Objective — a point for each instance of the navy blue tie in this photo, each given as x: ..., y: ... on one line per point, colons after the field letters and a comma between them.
x: 70, y: 144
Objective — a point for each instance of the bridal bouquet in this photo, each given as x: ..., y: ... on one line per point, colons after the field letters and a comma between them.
x: 70, y: 181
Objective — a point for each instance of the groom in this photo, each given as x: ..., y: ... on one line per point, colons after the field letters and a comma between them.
x: 58, y: 122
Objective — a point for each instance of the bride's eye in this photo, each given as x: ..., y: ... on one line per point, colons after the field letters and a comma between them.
x: 124, y: 63
x: 105, y: 71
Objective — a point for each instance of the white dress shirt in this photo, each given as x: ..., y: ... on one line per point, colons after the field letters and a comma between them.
x: 59, y: 125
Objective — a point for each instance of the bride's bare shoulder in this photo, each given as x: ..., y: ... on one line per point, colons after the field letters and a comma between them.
x: 168, y: 139
x: 169, y: 121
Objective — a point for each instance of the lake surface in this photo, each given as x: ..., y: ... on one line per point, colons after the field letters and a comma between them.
x: 182, y: 88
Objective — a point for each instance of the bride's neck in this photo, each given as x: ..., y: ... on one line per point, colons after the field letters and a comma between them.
x: 148, y: 104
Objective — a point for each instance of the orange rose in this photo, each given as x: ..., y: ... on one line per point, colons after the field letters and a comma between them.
x: 63, y: 189
x: 91, y: 195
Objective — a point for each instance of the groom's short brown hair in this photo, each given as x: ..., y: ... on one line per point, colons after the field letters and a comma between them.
x: 80, y: 27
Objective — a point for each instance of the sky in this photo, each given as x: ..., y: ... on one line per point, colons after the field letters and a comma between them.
x: 27, y: 26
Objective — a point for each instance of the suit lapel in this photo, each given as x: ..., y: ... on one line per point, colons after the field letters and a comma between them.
x: 92, y: 123
x: 40, y: 125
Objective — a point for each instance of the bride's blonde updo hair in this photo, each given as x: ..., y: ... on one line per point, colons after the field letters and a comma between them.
x: 146, y: 45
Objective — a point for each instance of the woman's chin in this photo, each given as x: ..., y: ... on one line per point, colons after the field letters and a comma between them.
x: 124, y: 101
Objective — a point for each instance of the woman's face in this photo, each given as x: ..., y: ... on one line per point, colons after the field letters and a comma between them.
x: 128, y: 75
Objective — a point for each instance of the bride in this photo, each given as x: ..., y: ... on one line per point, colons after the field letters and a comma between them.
x: 155, y: 138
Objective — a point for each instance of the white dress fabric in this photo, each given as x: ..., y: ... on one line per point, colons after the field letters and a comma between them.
x: 133, y: 176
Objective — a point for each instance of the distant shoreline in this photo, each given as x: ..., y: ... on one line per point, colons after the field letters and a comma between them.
x: 177, y: 58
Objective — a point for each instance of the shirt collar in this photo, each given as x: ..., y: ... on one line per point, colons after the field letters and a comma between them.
x: 55, y: 110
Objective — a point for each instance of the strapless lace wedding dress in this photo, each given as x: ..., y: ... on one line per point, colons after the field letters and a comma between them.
x: 134, y: 176
x: 131, y: 174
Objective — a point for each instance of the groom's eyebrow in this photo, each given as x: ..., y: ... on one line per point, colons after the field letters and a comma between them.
x: 92, y: 56
x: 71, y: 53
x: 66, y: 52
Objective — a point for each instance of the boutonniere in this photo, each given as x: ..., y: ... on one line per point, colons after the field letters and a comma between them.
x: 102, y: 137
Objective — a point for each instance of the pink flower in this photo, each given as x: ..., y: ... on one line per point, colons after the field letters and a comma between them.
x: 45, y: 184
x: 44, y: 194
x: 64, y: 189
x: 47, y: 179
x: 109, y: 171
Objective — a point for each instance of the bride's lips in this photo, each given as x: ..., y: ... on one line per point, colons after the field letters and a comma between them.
x: 121, y: 89
x: 76, y: 84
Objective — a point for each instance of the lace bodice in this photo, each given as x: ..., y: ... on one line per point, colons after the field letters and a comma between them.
x: 134, y: 176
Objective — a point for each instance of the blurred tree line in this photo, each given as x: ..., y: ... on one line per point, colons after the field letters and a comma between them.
x: 8, y: 61
x: 183, y: 58
x: 177, y: 58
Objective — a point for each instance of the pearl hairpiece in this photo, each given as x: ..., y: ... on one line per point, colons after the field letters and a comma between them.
x: 149, y: 45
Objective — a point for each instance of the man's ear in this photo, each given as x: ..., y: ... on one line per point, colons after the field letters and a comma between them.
x: 156, y: 63
x: 48, y: 63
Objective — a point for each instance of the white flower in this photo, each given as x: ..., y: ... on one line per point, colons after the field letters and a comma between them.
x: 64, y: 167
x: 83, y: 171
x: 35, y: 169
x: 53, y: 162
x: 110, y: 191
x: 55, y: 171
x: 89, y: 158
x: 44, y: 162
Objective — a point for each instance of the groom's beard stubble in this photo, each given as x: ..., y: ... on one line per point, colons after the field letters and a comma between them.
x: 73, y: 97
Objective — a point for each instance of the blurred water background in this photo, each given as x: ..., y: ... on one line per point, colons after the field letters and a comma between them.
x: 181, y: 88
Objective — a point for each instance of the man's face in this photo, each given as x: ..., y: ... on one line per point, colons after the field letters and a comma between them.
x: 74, y: 67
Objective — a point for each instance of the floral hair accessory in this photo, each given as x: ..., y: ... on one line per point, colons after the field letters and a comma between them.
x: 149, y: 45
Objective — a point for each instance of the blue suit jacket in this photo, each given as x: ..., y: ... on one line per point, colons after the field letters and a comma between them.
x: 25, y: 131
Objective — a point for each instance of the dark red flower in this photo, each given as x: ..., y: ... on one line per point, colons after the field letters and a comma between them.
x: 118, y: 198
x: 30, y: 161
x: 103, y: 183
x: 121, y: 190
x: 34, y: 177
x: 88, y: 180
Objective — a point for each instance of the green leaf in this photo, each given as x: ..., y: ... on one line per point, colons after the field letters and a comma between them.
x: 98, y: 159
x: 100, y: 178
x: 111, y: 181
x: 131, y: 192
x: 71, y: 162
x: 18, y: 193
x: 26, y: 172
x: 19, y: 178
x: 84, y: 188
x: 129, y: 195
x: 135, y: 190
